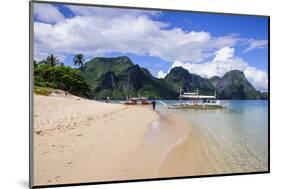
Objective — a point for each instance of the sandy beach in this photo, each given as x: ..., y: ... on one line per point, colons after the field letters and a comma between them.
x: 79, y: 140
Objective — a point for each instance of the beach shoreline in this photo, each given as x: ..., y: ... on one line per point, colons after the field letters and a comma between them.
x: 80, y: 140
x: 74, y: 136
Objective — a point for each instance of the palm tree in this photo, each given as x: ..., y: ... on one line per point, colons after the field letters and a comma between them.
x: 51, y: 60
x: 78, y: 59
x: 35, y: 63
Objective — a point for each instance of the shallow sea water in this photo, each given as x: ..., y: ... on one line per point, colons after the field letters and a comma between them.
x: 235, y: 139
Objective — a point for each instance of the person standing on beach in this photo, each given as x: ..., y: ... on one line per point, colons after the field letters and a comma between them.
x: 107, y: 100
x: 153, y: 104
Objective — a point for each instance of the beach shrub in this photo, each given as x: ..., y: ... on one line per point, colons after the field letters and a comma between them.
x: 42, y: 90
x: 60, y: 77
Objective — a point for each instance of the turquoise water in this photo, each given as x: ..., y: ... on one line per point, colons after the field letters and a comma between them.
x: 235, y: 138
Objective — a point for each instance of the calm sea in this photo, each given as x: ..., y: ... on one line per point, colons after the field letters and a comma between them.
x: 237, y: 135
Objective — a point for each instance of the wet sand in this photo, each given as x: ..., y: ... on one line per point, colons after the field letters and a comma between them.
x: 188, y: 158
x: 160, y: 138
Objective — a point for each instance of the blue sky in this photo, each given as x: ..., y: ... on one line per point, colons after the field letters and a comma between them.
x: 206, y: 44
x: 217, y: 24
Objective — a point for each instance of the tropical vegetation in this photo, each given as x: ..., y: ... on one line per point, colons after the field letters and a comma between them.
x: 120, y: 78
x: 78, y: 60
x: 50, y: 73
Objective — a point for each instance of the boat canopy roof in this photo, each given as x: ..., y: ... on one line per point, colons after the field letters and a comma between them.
x: 194, y: 96
x: 190, y: 93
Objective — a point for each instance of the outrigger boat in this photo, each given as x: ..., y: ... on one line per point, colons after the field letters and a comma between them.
x: 136, y: 101
x: 196, y: 101
x: 131, y: 101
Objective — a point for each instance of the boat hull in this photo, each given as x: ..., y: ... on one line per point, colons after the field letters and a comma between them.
x: 198, y: 106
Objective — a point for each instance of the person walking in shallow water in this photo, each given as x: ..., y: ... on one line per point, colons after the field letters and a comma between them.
x: 153, y: 104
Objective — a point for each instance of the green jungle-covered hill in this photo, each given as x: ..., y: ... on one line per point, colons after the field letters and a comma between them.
x: 119, y: 78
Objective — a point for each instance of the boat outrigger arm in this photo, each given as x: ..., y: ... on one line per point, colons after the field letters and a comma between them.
x: 196, y: 101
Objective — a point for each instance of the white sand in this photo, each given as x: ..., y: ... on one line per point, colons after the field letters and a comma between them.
x: 78, y: 140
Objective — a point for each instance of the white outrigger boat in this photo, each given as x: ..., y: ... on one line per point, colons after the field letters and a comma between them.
x: 196, y: 101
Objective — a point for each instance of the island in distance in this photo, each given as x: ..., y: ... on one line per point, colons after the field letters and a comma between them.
x: 119, y: 77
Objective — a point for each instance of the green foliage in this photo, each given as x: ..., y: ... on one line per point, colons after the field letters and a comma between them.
x: 42, y: 90
x: 60, y: 77
x: 97, y: 67
x: 51, y: 60
x: 119, y: 77
x: 78, y: 59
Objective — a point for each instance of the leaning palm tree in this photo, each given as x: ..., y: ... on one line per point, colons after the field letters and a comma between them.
x: 78, y: 59
x: 51, y: 60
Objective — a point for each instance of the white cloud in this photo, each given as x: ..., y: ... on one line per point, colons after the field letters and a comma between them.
x: 42, y: 55
x: 223, y: 62
x: 224, y: 54
x: 47, y: 13
x: 127, y: 33
x: 96, y: 32
x: 257, y: 77
x: 161, y: 74
x: 256, y: 44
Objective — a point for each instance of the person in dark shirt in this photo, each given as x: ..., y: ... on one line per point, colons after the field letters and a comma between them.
x: 153, y: 104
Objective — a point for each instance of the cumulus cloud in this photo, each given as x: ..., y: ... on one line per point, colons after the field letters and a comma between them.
x: 97, y: 32
x: 257, y: 77
x: 223, y: 62
x: 224, y: 54
x: 42, y: 55
x: 96, y: 35
x: 47, y: 13
x: 161, y: 74
x: 256, y: 44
